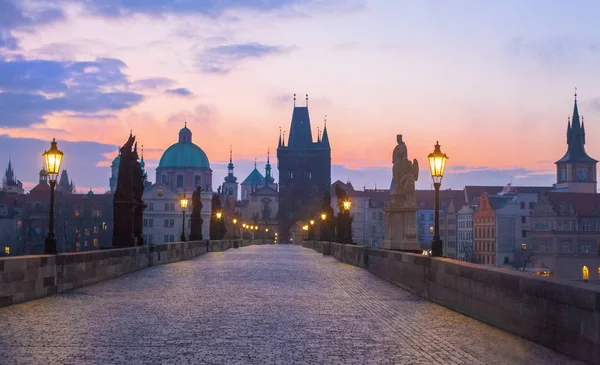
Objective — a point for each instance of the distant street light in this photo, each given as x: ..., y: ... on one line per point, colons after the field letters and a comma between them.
x: 184, y: 204
x: 323, y: 216
x: 53, y: 158
x: 437, y: 164
x: 347, y: 205
x: 219, y: 215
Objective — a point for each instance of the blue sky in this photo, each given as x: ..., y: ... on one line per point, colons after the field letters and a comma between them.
x: 493, y: 81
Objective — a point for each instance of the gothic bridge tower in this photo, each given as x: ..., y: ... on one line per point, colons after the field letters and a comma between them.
x: 304, y: 171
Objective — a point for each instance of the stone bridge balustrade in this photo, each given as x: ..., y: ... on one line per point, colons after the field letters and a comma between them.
x: 559, y: 314
x: 24, y: 278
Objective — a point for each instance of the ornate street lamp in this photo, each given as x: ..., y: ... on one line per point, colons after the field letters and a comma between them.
x: 437, y: 164
x: 53, y: 158
x: 323, y: 216
x: 184, y: 204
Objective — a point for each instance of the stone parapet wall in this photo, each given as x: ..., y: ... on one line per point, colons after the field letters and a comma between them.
x: 559, y: 314
x: 24, y: 278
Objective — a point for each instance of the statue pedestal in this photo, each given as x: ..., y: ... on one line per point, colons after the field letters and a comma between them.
x: 400, y: 226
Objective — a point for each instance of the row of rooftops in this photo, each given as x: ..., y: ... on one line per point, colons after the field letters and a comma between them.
x: 584, y: 204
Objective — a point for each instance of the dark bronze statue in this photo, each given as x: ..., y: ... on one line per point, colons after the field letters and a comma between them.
x: 217, y: 219
x: 196, y: 229
x: 344, y: 219
x: 127, y: 202
x: 327, y: 217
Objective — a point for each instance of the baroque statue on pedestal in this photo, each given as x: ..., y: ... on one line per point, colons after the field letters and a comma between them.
x: 405, y: 174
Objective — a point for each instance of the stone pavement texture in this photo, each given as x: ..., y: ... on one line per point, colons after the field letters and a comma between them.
x: 256, y: 305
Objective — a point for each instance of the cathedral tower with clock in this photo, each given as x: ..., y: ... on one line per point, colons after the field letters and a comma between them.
x: 576, y: 171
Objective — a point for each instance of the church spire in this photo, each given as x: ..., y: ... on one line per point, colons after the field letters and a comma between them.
x: 575, y: 139
x: 268, y: 178
x: 279, y: 144
x: 230, y: 177
x: 325, y: 138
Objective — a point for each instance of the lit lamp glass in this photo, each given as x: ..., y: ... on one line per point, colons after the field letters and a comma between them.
x: 234, y: 221
x: 323, y: 216
x: 256, y: 228
x: 219, y: 215
x: 53, y: 158
x: 266, y: 230
x: 184, y: 202
x: 347, y: 205
x: 305, y: 227
x: 437, y: 163
x: 312, y: 222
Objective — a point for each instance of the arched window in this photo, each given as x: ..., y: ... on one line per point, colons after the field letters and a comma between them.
x: 585, y: 273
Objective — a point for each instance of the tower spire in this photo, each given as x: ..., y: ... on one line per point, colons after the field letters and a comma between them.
x: 307, y: 100
x: 325, y: 138
x: 279, y: 144
x: 294, y: 100
x: 230, y: 154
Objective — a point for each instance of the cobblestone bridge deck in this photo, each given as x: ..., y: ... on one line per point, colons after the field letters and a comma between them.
x: 256, y: 305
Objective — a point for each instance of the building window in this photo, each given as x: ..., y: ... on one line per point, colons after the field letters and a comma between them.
x: 374, y: 215
x: 150, y: 239
x: 585, y: 226
x: 87, y: 232
x: 523, y: 246
x: 522, y: 205
x: 172, y: 238
x: 543, y: 247
x: 172, y: 206
x: 586, y: 248
x: 523, y: 219
x: 166, y: 207
x: 145, y: 222
x: 524, y: 233
x: 506, y: 260
x: 430, y: 229
x: 565, y: 225
x: 7, y: 250
x: 164, y: 179
x: 585, y: 273
x: 95, y: 229
x: 197, y: 180
x: 179, y: 181
x: 150, y: 222
x: 151, y: 206
x: 172, y: 223
x: 166, y: 238
x: 531, y: 204
x: 566, y: 247
x: 95, y: 243
x: 166, y: 223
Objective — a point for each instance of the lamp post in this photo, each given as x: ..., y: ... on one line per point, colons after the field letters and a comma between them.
x: 305, y: 228
x: 347, y: 205
x: 219, y: 215
x: 324, y: 228
x: 234, y: 221
x: 184, y: 204
x: 437, y: 163
x: 53, y: 158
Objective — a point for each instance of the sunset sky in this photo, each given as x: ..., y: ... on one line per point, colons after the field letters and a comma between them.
x: 493, y: 81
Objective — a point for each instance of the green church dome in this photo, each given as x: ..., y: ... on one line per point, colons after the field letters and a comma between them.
x: 184, y: 153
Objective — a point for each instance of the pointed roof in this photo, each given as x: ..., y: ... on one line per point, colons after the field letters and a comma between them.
x: 230, y: 178
x: 325, y: 138
x: 300, y: 132
x: 254, y: 178
x: 575, y: 140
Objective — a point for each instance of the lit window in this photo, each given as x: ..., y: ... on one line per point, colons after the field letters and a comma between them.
x: 523, y: 246
x: 7, y: 251
x: 95, y: 242
x: 95, y: 229
x: 87, y: 232
x: 430, y: 229
x: 77, y: 246
x: 19, y: 224
x: 585, y: 273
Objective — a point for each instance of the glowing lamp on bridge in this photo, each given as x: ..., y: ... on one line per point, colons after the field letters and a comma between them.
x: 347, y: 205
x: 266, y: 230
x: 53, y: 158
x: 219, y: 215
x: 323, y: 216
x: 312, y: 222
x: 256, y: 228
x: 437, y: 164
x: 184, y: 202
x: 234, y: 221
x: 305, y: 227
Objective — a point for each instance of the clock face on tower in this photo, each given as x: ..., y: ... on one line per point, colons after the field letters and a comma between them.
x: 582, y: 175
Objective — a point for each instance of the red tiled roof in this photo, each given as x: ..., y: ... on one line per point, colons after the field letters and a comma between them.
x: 584, y: 204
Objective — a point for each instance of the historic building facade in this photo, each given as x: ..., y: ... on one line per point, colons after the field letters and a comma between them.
x: 304, y: 171
x: 182, y: 167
